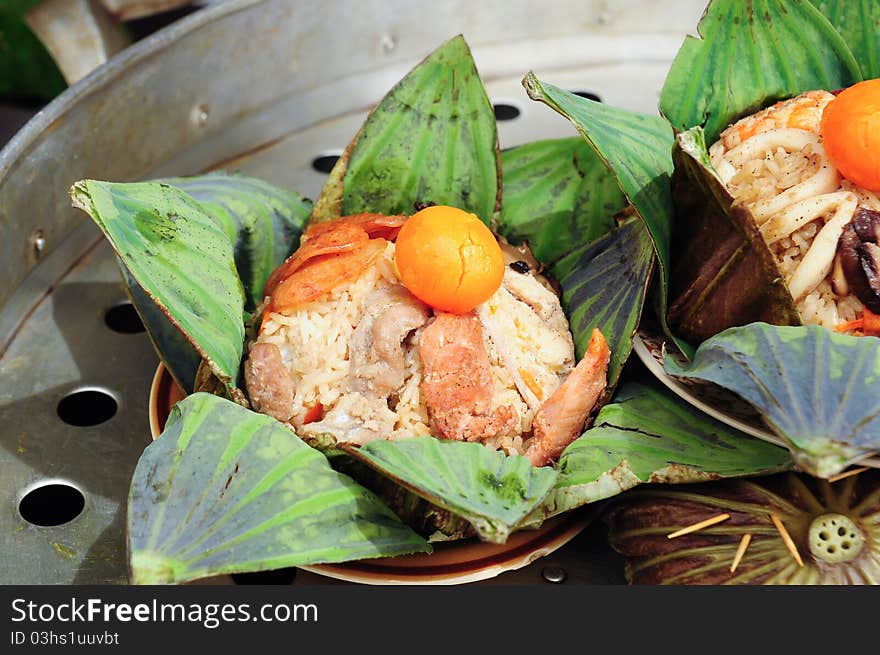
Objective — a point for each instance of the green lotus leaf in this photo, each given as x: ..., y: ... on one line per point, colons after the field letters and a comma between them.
x: 748, y: 54
x: 603, y: 286
x: 814, y: 387
x: 176, y: 352
x: 557, y: 194
x: 226, y: 490
x: 833, y: 528
x: 637, y: 149
x: 427, y: 519
x: 858, y: 22
x: 432, y: 138
x: 649, y: 435
x: 724, y: 273
x: 181, y: 257
x: 264, y: 222
x: 489, y: 489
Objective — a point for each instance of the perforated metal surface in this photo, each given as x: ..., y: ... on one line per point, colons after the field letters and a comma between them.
x: 262, y: 87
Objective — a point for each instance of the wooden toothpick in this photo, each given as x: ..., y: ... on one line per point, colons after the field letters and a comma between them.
x: 846, y: 474
x: 698, y: 526
x: 789, y: 543
x: 740, y: 551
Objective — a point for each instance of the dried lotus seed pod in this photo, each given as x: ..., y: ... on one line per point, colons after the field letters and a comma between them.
x: 835, y: 528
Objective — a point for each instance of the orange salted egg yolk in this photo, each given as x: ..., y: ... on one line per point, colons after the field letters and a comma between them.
x: 851, y: 133
x: 448, y: 259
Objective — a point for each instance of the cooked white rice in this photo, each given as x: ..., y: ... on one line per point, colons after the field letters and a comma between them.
x: 314, y: 343
x: 784, y: 176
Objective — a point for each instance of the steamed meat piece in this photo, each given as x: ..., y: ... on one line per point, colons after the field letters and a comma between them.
x: 561, y: 418
x: 355, y: 418
x: 377, y: 355
x: 530, y: 336
x: 530, y: 290
x: 519, y: 258
x: 268, y: 382
x: 457, y: 381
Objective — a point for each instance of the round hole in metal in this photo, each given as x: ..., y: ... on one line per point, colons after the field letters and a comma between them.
x: 123, y: 318
x: 276, y: 577
x: 589, y: 95
x: 324, y: 163
x: 86, y: 407
x: 506, y: 112
x: 51, y: 504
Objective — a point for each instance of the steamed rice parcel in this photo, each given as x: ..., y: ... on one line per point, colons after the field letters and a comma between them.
x: 799, y: 167
x: 392, y: 327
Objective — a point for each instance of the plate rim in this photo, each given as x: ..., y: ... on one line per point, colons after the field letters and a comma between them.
x: 551, y: 536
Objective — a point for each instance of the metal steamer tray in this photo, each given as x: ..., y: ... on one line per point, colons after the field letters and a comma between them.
x: 276, y: 89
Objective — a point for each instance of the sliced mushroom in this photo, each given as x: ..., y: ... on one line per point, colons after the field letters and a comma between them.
x: 838, y: 279
x: 817, y: 263
x: 859, y: 250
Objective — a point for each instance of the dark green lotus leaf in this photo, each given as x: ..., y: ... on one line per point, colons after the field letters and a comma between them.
x: 176, y: 352
x: 858, y: 21
x: 181, y: 257
x: 558, y: 194
x: 226, y: 490
x: 816, y: 388
x: 264, y: 222
x: 603, y: 286
x: 491, y: 490
x: 432, y: 138
x: 650, y: 435
x: 637, y: 149
x: 427, y: 519
x: 833, y: 527
x: 751, y: 52
x: 724, y: 274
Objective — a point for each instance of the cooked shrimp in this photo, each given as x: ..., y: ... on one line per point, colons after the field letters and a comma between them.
x: 562, y: 416
x: 333, y: 237
x: 375, y: 225
x: 803, y: 112
x: 322, y: 274
x: 457, y: 382
x: 343, y: 238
